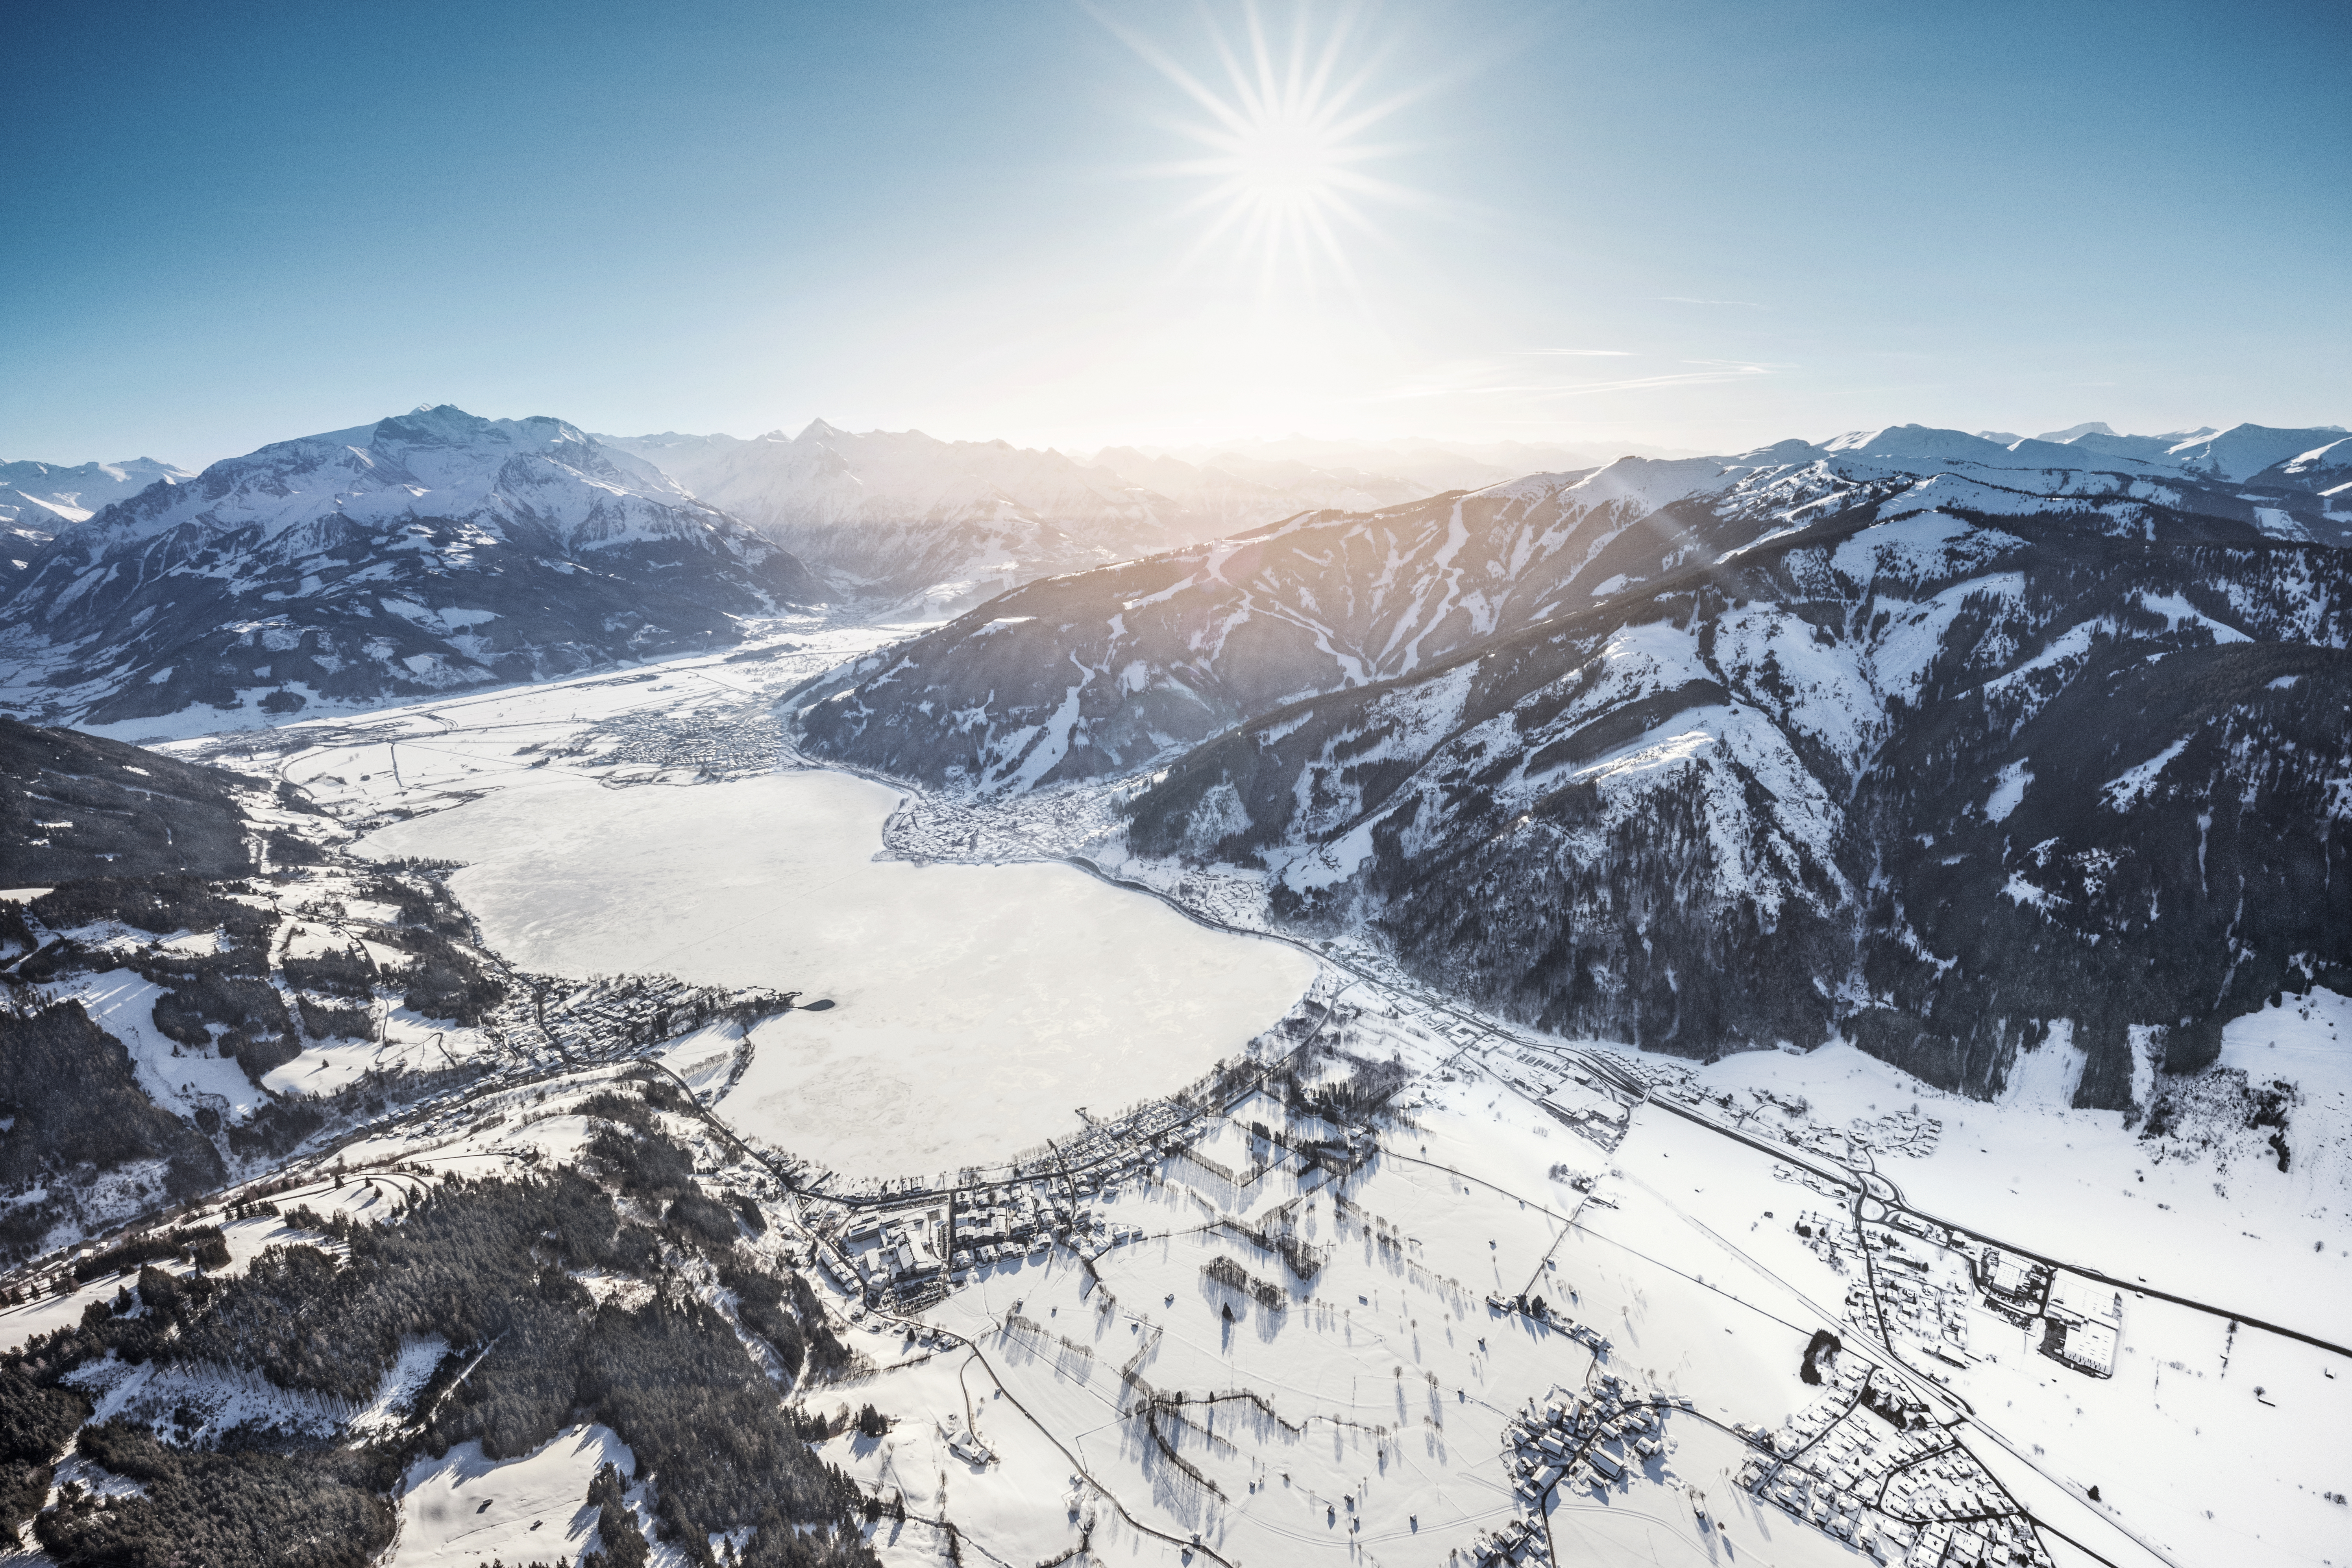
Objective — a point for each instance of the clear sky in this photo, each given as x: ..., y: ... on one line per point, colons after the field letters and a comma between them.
x: 1698, y: 225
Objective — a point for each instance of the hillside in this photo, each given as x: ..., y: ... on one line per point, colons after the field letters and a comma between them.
x: 424, y: 553
x: 1958, y: 749
x: 215, y: 994
x: 196, y: 935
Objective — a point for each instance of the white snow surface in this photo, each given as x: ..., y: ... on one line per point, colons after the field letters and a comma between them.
x: 1400, y: 1375
x: 2305, y: 1039
x: 181, y: 1078
x: 973, y: 1007
x: 2008, y: 792
x: 2242, y: 451
x: 464, y: 1509
x: 50, y: 497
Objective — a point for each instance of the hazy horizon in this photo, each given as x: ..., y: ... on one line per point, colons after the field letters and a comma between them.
x: 1599, y: 449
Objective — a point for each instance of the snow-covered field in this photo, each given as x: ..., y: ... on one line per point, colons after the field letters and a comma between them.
x: 2079, y: 1184
x: 123, y: 1004
x: 1364, y: 1413
x: 462, y: 1508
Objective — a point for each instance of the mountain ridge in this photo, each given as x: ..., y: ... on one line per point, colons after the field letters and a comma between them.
x: 40, y: 501
x: 422, y: 552
x: 900, y: 515
x: 1659, y: 753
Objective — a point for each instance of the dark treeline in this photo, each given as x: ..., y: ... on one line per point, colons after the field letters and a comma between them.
x: 77, y: 1103
x: 158, y: 905
x: 489, y: 1267
x: 320, y: 1509
x: 1342, y: 1102
x: 35, y: 1422
x: 203, y: 1244
x: 622, y: 1544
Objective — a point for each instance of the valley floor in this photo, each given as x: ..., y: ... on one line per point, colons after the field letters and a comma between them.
x: 1401, y: 1284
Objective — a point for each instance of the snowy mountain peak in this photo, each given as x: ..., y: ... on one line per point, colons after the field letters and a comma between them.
x: 429, y: 549
x: 47, y: 497
x: 1606, y: 743
x: 439, y: 462
x: 2241, y: 452
x: 1916, y: 441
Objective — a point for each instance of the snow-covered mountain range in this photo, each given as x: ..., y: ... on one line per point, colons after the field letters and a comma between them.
x: 1957, y: 748
x: 430, y: 550
x: 38, y: 501
x: 1422, y: 466
x: 2243, y: 454
x: 902, y: 516
x: 2023, y: 764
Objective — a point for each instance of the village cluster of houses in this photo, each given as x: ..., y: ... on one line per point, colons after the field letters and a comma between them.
x: 927, y: 1243
x: 719, y: 744
x: 1859, y: 1465
x: 1594, y: 1437
x: 1926, y: 1278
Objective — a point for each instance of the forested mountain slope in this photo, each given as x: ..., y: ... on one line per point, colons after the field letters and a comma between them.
x: 1100, y: 672
x: 183, y: 950
x: 214, y: 991
x: 1937, y: 743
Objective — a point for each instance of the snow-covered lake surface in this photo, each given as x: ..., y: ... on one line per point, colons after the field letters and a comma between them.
x: 975, y: 1007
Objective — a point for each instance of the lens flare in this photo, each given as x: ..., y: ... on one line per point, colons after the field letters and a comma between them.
x: 1285, y: 146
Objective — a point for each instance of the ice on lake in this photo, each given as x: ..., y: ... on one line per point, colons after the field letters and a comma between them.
x: 975, y: 1006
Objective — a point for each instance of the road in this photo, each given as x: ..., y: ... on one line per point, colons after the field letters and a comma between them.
x: 1867, y: 1184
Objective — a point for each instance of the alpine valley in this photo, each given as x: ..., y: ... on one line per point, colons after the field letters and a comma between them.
x: 590, y: 1000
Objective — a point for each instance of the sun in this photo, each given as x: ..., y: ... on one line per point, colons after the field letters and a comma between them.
x: 1283, y: 166
x: 1287, y: 160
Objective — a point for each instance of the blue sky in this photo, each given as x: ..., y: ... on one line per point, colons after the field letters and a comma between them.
x: 1701, y: 226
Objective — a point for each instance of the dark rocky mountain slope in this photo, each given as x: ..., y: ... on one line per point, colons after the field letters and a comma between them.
x: 1882, y: 739
x: 75, y: 806
x: 1096, y: 673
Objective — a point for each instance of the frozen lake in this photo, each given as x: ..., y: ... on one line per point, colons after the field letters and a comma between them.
x: 975, y: 1006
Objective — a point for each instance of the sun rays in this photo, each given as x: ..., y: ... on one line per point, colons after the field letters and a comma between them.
x: 1284, y: 132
